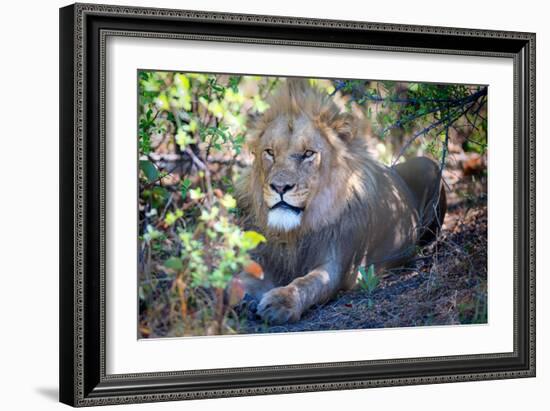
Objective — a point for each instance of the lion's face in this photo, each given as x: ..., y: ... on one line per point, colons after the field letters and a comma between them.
x: 303, y: 146
x: 292, y: 153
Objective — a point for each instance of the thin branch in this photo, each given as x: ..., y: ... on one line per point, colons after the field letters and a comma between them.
x: 230, y: 162
x: 161, y: 176
x: 450, y: 104
x: 408, y: 119
x: 379, y: 99
x: 449, y: 118
x: 203, y: 167
x: 444, y: 152
x: 476, y: 112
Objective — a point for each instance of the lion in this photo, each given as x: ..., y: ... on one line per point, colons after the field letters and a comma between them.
x: 324, y: 205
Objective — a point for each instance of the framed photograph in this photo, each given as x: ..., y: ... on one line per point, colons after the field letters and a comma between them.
x: 261, y: 204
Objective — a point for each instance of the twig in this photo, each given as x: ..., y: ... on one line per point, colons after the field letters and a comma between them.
x: 444, y: 152
x: 166, y: 206
x: 152, y: 183
x: 476, y: 113
x: 379, y: 99
x: 406, y: 120
x: 451, y: 103
x: 202, y: 166
x: 449, y: 118
x: 230, y: 162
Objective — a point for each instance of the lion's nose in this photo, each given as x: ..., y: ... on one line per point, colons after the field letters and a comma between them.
x: 282, y: 188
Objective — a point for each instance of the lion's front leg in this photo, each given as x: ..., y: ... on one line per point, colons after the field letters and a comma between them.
x: 245, y: 291
x: 286, y: 304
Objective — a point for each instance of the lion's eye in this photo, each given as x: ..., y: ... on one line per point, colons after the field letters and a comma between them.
x: 269, y: 152
x: 308, y: 154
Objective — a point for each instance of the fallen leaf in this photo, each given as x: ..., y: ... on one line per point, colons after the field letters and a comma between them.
x: 255, y: 270
x: 473, y: 166
x: 236, y: 291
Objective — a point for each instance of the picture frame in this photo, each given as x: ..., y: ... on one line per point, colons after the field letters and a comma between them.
x: 84, y: 29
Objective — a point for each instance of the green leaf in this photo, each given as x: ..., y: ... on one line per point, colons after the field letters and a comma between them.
x: 234, y: 83
x: 196, y: 194
x: 174, y: 263
x: 228, y: 201
x: 171, y: 217
x: 371, y: 279
x: 163, y: 102
x: 149, y: 169
x: 368, y: 280
x: 183, y: 138
x: 144, y: 142
x: 185, y: 187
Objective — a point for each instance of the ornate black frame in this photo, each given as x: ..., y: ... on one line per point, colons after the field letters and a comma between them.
x: 83, y: 30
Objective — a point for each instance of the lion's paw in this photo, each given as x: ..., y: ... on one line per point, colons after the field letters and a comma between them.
x: 247, y: 307
x: 280, y: 305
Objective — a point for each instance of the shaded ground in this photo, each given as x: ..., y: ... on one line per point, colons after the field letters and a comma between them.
x: 446, y: 284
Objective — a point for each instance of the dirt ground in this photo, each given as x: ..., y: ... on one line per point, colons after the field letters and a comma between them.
x: 445, y: 284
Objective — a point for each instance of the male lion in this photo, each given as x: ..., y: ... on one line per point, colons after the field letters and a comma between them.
x: 324, y: 205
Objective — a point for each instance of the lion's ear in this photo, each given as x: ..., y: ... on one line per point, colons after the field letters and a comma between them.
x: 345, y: 126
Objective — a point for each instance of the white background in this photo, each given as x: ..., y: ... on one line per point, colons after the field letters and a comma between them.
x: 126, y: 354
x: 29, y: 206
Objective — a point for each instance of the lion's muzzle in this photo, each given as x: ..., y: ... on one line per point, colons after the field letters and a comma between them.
x: 285, y: 206
x: 282, y: 188
x: 285, y: 201
x: 284, y: 216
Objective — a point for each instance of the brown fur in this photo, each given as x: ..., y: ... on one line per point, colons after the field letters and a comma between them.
x: 352, y: 206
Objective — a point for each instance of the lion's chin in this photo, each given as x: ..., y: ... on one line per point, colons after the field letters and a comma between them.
x: 283, y: 219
